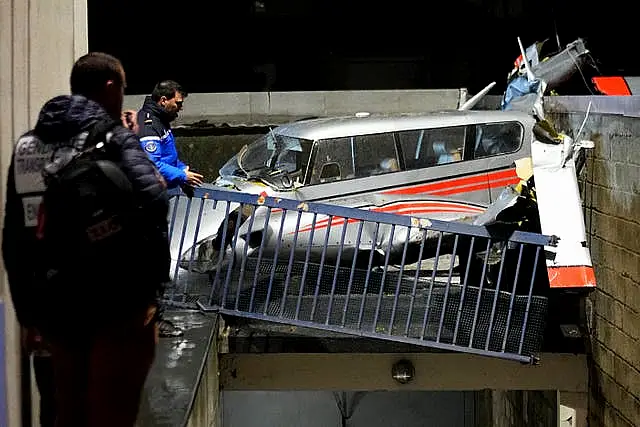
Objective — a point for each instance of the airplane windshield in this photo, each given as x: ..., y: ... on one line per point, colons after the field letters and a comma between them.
x: 270, y: 155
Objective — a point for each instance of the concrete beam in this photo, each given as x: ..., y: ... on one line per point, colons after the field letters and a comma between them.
x: 433, y: 371
x: 576, y: 400
x: 574, y: 406
x: 298, y: 104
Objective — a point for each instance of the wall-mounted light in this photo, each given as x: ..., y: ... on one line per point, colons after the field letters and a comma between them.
x: 403, y: 371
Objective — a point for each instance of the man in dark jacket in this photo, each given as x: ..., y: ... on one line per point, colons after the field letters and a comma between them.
x: 157, y: 140
x: 100, y: 362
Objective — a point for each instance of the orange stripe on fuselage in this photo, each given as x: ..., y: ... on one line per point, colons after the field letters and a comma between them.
x: 444, y: 205
x: 477, y: 187
x: 462, y: 185
x: 404, y: 208
x: 449, y: 187
x: 478, y: 182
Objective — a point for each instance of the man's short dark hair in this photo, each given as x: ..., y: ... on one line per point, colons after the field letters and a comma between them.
x: 92, y: 71
x: 168, y: 89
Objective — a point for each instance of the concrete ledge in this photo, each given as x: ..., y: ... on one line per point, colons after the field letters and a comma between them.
x: 300, y: 104
x: 173, y: 391
x: 255, y: 108
x: 623, y: 105
x: 366, y: 371
x: 205, y: 410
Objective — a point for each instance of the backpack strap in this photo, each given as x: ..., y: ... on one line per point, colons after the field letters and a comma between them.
x: 99, y: 131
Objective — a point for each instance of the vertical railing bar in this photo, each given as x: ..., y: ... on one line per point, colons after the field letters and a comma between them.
x: 513, y: 296
x: 415, y: 282
x: 306, y: 264
x: 337, y: 269
x: 243, y: 263
x: 193, y: 248
x: 431, y: 285
x: 352, y: 272
x: 447, y: 287
x: 464, y: 289
x: 480, y: 290
x: 170, y: 236
x: 181, y: 245
x: 529, y: 297
x: 172, y: 223
x: 263, y: 241
x: 374, y: 242
x: 234, y: 243
x: 321, y: 268
x: 225, y: 225
x: 495, y: 299
x: 290, y: 265
x: 194, y: 241
x: 384, y: 277
x: 275, y: 264
x: 400, y: 279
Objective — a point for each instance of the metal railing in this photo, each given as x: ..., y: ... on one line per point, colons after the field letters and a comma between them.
x: 445, y: 285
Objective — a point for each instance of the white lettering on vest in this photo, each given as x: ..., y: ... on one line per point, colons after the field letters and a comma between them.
x: 31, y: 155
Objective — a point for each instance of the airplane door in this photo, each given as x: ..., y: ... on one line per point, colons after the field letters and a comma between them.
x: 496, y: 148
x: 349, y: 171
x: 348, y: 167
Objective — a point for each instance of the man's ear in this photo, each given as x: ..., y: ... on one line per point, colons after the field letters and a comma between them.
x: 112, y: 86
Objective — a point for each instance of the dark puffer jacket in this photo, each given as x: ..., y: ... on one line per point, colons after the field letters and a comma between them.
x: 60, y: 119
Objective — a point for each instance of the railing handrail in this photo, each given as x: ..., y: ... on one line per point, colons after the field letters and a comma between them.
x: 222, y: 194
x: 369, y: 279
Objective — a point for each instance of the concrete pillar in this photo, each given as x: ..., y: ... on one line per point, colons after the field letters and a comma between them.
x: 39, y: 41
x: 573, y: 409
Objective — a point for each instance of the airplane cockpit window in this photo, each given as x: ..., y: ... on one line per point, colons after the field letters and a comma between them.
x: 333, y: 161
x: 432, y: 147
x: 330, y: 172
x: 273, y: 158
x: 497, y: 138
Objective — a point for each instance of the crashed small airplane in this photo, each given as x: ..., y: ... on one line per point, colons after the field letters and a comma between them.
x: 477, y: 167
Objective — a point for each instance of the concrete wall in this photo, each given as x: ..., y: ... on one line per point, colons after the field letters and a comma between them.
x: 241, y: 107
x: 205, y: 410
x: 612, y: 200
x: 363, y: 409
x: 39, y: 41
x: 498, y: 408
x: 524, y: 408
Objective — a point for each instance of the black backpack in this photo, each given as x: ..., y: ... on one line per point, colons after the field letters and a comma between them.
x: 88, y: 223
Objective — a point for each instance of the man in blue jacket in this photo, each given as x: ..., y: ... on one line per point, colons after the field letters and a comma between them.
x: 156, y: 137
x: 157, y: 140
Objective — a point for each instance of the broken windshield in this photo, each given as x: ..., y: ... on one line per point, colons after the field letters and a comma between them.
x: 271, y: 155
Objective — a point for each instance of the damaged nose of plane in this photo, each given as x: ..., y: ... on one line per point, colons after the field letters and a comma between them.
x: 204, y: 257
